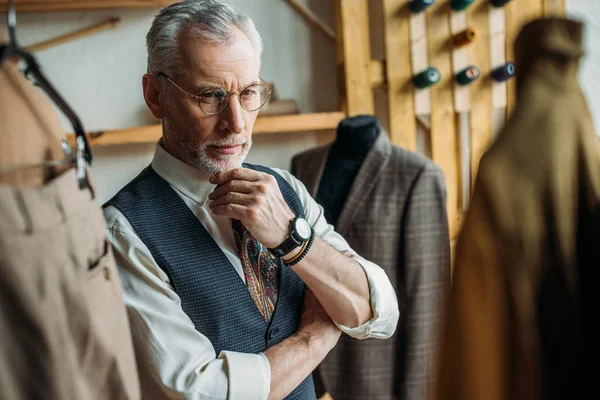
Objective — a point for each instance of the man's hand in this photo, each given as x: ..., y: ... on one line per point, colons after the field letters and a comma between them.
x: 254, y: 198
x: 316, y: 323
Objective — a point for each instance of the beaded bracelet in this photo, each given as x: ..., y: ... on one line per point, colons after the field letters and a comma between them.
x: 304, y: 251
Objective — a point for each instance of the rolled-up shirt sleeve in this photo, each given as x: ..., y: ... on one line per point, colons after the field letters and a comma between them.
x: 175, y: 361
x: 384, y: 303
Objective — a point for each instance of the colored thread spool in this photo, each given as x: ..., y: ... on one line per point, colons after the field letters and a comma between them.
x: 467, y: 75
x: 465, y: 37
x: 499, y: 3
x: 504, y: 72
x: 426, y: 78
x: 459, y: 5
x: 418, y: 6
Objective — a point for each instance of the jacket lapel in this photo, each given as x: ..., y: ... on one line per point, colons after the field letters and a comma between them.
x: 314, y: 169
x: 366, y: 178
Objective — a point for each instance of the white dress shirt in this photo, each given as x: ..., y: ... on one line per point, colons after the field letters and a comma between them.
x: 176, y: 361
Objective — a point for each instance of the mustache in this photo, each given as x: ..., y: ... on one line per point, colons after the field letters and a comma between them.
x: 226, y: 142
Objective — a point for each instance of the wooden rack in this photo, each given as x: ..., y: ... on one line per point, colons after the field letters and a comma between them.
x: 413, y: 41
x: 263, y: 125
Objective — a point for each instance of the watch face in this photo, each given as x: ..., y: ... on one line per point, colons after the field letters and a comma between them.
x: 302, y: 228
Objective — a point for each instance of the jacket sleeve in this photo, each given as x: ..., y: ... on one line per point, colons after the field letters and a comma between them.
x: 426, y: 273
x: 476, y: 344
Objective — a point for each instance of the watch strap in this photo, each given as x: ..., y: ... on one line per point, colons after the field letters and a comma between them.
x: 288, y: 245
x: 304, y: 251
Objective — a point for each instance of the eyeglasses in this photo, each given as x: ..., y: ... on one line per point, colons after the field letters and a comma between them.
x: 214, y: 100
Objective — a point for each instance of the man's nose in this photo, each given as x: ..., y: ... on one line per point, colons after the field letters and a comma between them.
x: 233, y: 117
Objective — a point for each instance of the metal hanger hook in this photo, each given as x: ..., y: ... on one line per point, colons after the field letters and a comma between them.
x: 12, y: 23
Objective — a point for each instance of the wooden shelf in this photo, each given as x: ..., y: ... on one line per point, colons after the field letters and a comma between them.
x: 69, y: 5
x: 264, y: 125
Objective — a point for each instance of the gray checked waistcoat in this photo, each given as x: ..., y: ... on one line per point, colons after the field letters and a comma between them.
x: 211, y: 291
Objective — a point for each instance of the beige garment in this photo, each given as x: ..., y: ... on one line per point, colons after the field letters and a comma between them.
x: 524, y: 294
x: 64, y: 333
x: 30, y: 131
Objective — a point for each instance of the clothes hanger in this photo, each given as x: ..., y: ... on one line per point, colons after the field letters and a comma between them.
x: 83, y: 153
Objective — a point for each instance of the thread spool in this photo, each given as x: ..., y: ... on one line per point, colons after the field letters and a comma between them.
x: 459, y: 5
x: 426, y: 78
x: 499, y: 3
x: 465, y: 37
x: 417, y: 6
x: 504, y: 72
x: 467, y: 75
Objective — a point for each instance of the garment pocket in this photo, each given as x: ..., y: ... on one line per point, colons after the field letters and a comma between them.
x: 102, y: 289
x: 97, y: 261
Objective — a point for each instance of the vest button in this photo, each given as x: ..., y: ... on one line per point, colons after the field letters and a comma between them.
x: 273, y: 333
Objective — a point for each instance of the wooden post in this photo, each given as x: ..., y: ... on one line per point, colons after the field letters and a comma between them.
x: 103, y: 26
x: 481, y: 91
x: 444, y: 143
x: 312, y: 18
x: 554, y: 7
x: 357, y: 56
x: 69, y: 5
x: 403, y: 129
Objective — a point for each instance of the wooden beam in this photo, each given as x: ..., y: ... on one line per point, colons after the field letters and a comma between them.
x: 518, y: 13
x: 444, y: 142
x: 312, y: 18
x: 264, y: 125
x: 401, y: 109
x: 109, y: 24
x: 554, y: 8
x: 377, y: 72
x: 68, y: 5
x: 357, y: 56
x: 339, y: 54
x: 481, y: 89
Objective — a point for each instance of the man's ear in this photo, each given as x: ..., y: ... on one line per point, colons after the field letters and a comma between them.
x: 155, y: 99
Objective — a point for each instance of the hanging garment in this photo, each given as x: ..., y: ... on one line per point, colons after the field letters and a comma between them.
x: 64, y: 332
x: 518, y: 325
x: 394, y: 215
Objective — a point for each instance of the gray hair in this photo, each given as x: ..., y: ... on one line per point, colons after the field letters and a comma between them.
x: 208, y: 20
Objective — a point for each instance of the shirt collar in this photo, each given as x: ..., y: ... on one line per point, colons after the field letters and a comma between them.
x: 189, y: 180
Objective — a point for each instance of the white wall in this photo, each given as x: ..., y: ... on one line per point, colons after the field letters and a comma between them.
x: 100, y: 76
x: 588, y: 11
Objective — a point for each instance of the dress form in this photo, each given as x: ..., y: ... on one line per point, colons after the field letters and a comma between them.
x: 354, y: 139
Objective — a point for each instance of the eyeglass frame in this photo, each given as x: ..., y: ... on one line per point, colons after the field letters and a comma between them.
x: 198, y: 98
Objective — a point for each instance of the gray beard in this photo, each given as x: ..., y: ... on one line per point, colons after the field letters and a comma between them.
x: 202, y: 160
x: 198, y: 157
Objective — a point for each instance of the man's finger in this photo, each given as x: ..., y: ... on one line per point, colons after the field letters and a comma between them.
x: 235, y: 185
x: 234, y: 211
x: 233, y: 198
x: 241, y: 173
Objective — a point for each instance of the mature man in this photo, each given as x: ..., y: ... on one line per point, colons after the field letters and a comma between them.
x: 214, y: 256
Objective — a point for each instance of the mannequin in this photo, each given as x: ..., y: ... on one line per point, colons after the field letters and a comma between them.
x: 390, y: 206
x: 355, y: 137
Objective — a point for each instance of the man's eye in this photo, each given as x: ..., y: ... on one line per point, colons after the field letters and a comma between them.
x: 250, y: 92
x: 217, y: 94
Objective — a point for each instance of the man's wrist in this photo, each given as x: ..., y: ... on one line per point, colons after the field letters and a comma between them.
x: 292, y: 254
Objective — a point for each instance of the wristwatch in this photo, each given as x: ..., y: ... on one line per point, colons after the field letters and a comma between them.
x: 300, y: 232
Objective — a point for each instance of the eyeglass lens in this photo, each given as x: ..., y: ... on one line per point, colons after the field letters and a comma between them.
x: 252, y: 98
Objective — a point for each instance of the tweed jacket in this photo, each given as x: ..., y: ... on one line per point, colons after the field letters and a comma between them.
x: 395, y: 216
x: 526, y: 268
